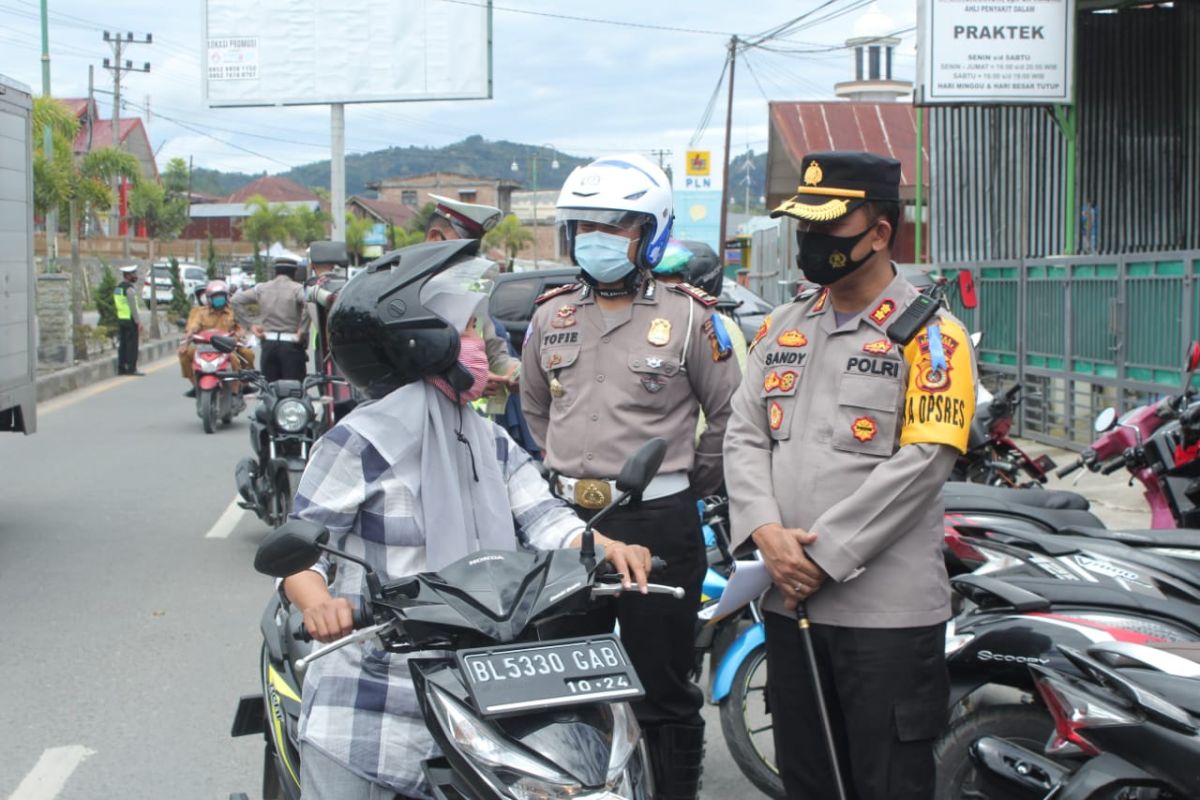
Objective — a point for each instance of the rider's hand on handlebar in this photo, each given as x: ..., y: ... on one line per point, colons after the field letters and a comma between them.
x: 330, y: 619
x: 791, y: 570
x: 630, y: 560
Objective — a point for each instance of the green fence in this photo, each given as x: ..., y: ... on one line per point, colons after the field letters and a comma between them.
x: 1082, y: 334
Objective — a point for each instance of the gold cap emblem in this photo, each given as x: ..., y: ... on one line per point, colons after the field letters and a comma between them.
x: 813, y: 175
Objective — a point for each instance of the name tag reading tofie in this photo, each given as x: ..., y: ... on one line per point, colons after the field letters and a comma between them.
x: 513, y: 678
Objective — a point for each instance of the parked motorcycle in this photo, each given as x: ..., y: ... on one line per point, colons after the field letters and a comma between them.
x: 286, y: 423
x: 1131, y: 712
x: 993, y: 457
x: 513, y: 737
x: 216, y: 396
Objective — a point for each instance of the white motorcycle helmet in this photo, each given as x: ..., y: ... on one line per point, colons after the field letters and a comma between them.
x: 612, y: 191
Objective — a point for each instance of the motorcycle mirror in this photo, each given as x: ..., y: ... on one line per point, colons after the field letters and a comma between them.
x: 1193, y: 360
x: 224, y: 344
x: 966, y: 289
x: 290, y: 548
x: 1105, y: 420
x: 976, y: 338
x: 642, y: 466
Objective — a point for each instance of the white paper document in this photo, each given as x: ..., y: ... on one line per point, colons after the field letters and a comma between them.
x: 749, y: 580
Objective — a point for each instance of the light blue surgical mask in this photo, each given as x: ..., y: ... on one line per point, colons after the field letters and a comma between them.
x: 604, y: 256
x: 218, y: 302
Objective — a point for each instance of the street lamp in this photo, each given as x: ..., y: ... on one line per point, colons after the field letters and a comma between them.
x: 534, y: 157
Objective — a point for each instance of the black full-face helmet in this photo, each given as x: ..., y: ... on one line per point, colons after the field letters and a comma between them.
x: 399, y: 319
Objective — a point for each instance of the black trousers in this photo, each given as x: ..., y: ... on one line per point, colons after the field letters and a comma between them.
x: 286, y: 360
x: 127, y: 347
x: 886, y: 690
x: 658, y: 631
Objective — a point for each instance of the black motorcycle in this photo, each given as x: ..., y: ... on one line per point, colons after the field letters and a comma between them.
x: 1131, y: 711
x: 506, y: 707
x: 286, y: 423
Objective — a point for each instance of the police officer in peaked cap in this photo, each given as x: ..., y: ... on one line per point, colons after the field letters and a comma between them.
x: 840, y: 440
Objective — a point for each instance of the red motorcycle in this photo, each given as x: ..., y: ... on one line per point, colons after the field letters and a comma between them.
x: 217, y: 395
x: 992, y: 457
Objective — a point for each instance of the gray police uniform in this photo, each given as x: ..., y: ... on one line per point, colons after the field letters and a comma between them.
x: 596, y: 386
x: 839, y: 431
x: 283, y: 313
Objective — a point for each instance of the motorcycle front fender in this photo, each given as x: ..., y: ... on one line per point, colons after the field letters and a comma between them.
x: 751, y: 639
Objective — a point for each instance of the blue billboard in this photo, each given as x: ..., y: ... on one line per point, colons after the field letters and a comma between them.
x: 698, y: 217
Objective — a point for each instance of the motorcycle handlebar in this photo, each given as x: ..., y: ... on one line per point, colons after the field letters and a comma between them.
x: 301, y: 634
x: 1063, y: 472
x: 1112, y: 466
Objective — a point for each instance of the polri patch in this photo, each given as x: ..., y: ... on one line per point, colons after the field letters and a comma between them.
x: 883, y: 367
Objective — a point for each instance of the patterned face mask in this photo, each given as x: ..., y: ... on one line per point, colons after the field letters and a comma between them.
x: 472, y: 356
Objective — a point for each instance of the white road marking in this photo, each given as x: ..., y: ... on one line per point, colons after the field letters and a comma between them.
x: 51, y: 772
x: 228, y: 521
x: 84, y: 392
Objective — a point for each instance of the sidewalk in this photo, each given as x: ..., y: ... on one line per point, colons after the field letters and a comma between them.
x: 1113, y: 500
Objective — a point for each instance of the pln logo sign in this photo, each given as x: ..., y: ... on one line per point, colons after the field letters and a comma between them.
x: 699, y: 169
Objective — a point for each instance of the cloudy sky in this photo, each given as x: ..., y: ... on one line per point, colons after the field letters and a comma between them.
x: 586, y: 86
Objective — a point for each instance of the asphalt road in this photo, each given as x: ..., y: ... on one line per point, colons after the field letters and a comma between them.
x: 130, y: 630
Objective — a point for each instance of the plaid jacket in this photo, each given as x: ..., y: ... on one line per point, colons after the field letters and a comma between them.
x: 359, y: 704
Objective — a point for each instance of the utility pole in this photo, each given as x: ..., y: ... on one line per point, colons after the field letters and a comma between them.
x: 48, y: 145
x: 662, y: 155
x: 728, y: 130
x: 118, y: 65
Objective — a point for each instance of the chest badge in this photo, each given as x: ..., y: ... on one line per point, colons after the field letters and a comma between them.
x: 556, y: 388
x: 653, y: 383
x: 864, y: 429
x: 882, y: 311
x: 564, y: 317
x: 653, y: 362
x: 659, y: 334
x: 878, y: 347
x: 792, y: 338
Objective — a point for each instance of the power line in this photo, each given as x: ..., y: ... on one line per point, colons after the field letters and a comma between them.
x: 706, y: 117
x: 621, y: 23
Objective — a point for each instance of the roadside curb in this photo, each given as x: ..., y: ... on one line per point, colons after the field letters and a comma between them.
x: 72, y: 378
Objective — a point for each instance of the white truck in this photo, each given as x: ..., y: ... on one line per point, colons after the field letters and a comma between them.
x: 18, y: 348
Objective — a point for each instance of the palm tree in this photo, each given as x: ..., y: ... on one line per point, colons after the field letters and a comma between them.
x: 268, y: 222
x: 510, y: 236
x: 78, y: 187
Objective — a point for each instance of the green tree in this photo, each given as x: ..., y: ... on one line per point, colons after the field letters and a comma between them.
x: 78, y: 188
x: 164, y: 208
x: 418, y: 222
x: 267, y: 223
x: 307, y: 225
x: 211, y: 269
x: 357, y: 229
x: 510, y: 236
x: 180, y: 304
x: 399, y: 237
x: 103, y: 295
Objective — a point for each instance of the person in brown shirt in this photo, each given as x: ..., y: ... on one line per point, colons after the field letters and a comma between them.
x: 215, y: 314
x: 608, y: 365
x: 840, y: 440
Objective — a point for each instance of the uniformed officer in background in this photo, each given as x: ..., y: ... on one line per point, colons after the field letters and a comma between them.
x: 609, y: 365
x: 282, y: 324
x: 129, y: 323
x: 837, y: 450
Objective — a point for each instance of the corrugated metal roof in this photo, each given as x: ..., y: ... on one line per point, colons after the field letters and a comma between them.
x: 239, y: 210
x: 274, y: 189
x: 885, y: 128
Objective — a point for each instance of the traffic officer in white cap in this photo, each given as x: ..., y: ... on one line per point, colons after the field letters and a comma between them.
x: 129, y: 323
x: 855, y: 403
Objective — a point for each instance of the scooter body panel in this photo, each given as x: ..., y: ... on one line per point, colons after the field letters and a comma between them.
x: 751, y: 639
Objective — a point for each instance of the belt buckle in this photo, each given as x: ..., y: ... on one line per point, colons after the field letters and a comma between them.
x: 592, y: 494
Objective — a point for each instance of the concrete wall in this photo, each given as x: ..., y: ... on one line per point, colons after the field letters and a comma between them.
x: 54, y: 320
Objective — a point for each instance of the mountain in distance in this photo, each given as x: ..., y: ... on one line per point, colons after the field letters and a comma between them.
x: 474, y: 156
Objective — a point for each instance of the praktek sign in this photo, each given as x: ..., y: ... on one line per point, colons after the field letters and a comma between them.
x: 1016, y: 52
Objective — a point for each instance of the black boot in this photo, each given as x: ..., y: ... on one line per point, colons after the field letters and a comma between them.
x: 677, y: 758
x: 190, y: 392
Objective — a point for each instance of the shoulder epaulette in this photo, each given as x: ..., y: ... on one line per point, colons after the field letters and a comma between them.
x: 699, y: 295
x: 544, y: 296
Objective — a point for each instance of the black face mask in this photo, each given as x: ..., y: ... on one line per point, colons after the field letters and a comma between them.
x: 824, y: 258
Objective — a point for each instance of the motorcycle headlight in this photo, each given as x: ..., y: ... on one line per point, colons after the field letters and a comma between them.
x: 525, y: 776
x: 291, y: 415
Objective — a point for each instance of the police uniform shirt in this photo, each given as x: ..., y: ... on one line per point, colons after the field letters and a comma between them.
x: 281, y: 306
x: 596, y: 386
x: 839, y: 431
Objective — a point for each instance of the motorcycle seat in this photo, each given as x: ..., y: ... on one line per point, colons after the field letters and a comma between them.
x: 1064, y: 595
x: 1188, y: 650
x: 1184, y: 538
x: 1049, y: 518
x: 1035, y: 498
